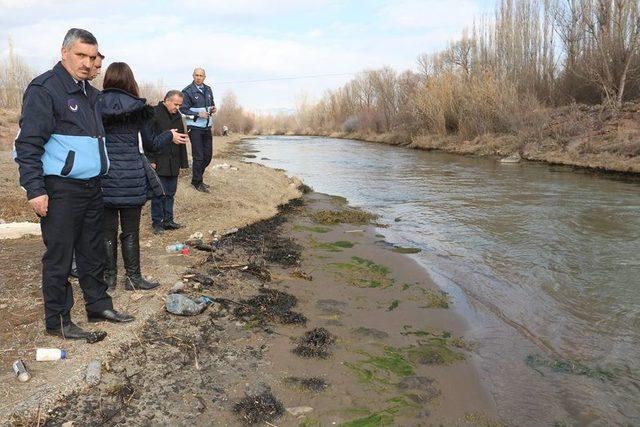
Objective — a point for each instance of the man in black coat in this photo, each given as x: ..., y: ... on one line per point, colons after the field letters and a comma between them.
x: 168, y: 164
x: 61, y: 156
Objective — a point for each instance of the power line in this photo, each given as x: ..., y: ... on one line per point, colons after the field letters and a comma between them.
x: 311, y: 76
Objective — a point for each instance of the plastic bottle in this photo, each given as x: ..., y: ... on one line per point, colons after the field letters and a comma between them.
x: 175, y: 248
x: 48, y: 354
x: 94, y: 372
x: 21, y: 371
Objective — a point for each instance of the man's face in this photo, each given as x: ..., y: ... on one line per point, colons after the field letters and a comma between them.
x: 173, y: 104
x: 96, y: 69
x: 79, y: 59
x: 198, y: 77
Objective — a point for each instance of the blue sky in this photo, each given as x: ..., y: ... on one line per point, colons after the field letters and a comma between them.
x: 242, y: 40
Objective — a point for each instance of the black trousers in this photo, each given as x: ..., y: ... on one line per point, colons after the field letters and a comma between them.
x: 73, y: 222
x: 162, y: 206
x: 129, y: 220
x: 201, y: 150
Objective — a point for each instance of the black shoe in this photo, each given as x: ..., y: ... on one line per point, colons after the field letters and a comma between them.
x: 73, y: 332
x: 110, y: 273
x: 171, y: 225
x: 207, y: 186
x: 158, y: 229
x: 110, y: 315
x: 201, y: 188
x: 131, y: 257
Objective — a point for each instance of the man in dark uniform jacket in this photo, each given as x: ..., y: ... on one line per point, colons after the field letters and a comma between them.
x: 61, y: 155
x: 199, y: 105
x: 168, y: 164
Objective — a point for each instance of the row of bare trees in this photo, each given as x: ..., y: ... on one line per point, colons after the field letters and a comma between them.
x: 495, y: 78
x: 15, y: 75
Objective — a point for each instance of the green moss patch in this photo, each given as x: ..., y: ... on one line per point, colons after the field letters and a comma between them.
x: 332, y: 246
x: 314, y: 229
x: 345, y: 216
x: 394, y: 304
x: 436, y: 298
x: 403, y: 250
x: 363, y: 273
x: 568, y: 367
x: 386, y: 416
x: 434, y: 351
x: 383, y: 368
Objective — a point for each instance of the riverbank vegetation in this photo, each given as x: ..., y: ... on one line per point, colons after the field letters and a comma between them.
x: 553, y: 80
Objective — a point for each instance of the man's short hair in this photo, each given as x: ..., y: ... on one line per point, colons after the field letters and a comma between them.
x: 173, y: 93
x: 75, y: 34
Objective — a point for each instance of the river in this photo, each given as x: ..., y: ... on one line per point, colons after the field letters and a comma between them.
x: 540, y: 260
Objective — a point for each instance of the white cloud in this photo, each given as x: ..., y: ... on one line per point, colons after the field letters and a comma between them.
x: 430, y: 14
x: 241, y: 40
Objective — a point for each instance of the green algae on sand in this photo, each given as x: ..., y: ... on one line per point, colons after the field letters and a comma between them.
x: 332, y: 246
x: 363, y: 273
x: 345, y: 216
x: 403, y: 250
x: 313, y: 229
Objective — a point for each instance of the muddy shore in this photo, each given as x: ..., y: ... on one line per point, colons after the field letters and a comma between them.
x: 315, y: 321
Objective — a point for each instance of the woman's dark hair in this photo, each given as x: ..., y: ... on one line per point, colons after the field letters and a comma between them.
x: 120, y: 76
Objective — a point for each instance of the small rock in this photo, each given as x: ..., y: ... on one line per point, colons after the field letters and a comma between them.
x: 196, y: 236
x: 68, y: 424
x: 3, y: 306
x: 299, y: 410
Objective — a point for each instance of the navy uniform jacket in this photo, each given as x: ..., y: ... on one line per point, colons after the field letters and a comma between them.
x: 61, y: 132
x: 195, y: 102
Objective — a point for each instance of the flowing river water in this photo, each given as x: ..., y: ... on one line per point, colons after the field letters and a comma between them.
x: 542, y: 261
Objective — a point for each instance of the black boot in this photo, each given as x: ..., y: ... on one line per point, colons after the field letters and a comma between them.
x: 111, y: 261
x: 131, y: 256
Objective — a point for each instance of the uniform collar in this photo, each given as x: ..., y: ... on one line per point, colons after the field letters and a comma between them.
x: 195, y: 86
x: 68, y: 81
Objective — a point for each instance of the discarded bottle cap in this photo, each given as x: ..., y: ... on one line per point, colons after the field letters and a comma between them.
x: 21, y: 371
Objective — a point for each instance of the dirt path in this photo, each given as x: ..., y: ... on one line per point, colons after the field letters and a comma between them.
x: 239, y: 197
x: 381, y: 349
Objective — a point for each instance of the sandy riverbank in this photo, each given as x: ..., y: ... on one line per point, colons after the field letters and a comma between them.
x: 238, y: 198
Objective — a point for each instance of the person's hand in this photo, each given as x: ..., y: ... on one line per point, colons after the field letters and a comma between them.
x: 154, y: 166
x: 203, y: 114
x: 179, y: 138
x: 213, y: 110
x: 40, y: 205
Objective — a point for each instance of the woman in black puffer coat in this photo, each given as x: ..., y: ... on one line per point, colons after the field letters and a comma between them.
x: 129, y: 129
